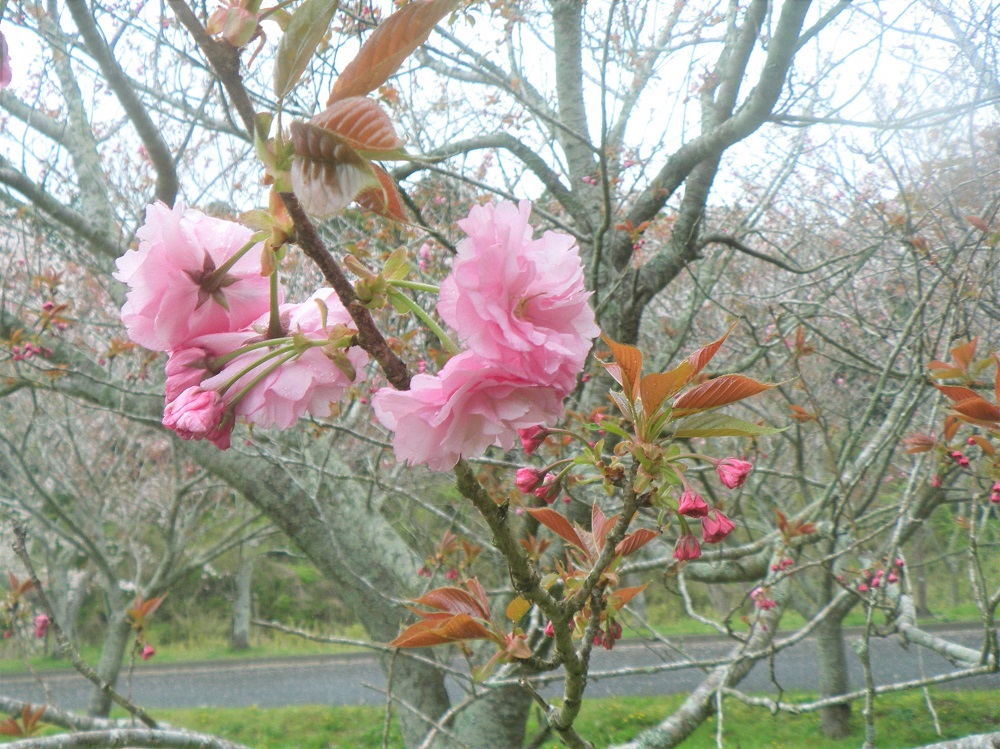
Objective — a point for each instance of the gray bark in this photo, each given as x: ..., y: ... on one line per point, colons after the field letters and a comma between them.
x: 832, y: 655
x: 239, y: 636
x: 117, y: 637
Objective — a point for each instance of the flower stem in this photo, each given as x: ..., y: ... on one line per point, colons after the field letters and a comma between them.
x: 398, y: 298
x: 274, y: 329
x: 223, y: 269
x: 415, y: 286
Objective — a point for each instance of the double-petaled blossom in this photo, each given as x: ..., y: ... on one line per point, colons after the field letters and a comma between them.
x: 520, y: 307
x: 199, y: 414
x: 41, y: 626
x: 733, y: 472
x: 470, y: 405
x: 692, y: 505
x: 305, y: 372
x: 148, y: 652
x: 687, y: 548
x: 188, y: 279
x: 761, y: 599
x: 519, y: 300
x: 715, y: 527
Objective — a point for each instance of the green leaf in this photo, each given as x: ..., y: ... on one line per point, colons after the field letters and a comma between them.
x: 719, y: 425
x: 305, y: 31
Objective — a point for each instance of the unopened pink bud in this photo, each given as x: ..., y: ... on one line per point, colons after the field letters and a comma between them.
x: 148, y: 652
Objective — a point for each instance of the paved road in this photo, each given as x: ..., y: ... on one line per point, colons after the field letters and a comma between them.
x: 356, y: 679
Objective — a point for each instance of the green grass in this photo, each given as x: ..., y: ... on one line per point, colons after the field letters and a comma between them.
x: 901, y: 721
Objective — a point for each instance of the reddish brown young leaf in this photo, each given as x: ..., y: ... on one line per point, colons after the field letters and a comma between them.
x: 782, y: 522
x: 700, y: 358
x: 978, y: 410
x: 327, y: 174
x: 623, y: 595
x: 477, y: 590
x: 918, y: 443
x: 10, y: 727
x: 383, y: 200
x: 30, y: 719
x: 957, y: 394
x: 978, y: 223
x: 941, y: 371
x: 440, y: 632
x: 454, y: 601
x: 800, y: 414
x: 629, y: 361
x: 718, y: 392
x: 656, y: 388
x: 951, y: 425
x: 596, y: 524
x: 391, y: 43
x: 635, y: 541
x: 964, y: 353
x: 361, y: 124
x: 558, y: 525
x: 984, y: 444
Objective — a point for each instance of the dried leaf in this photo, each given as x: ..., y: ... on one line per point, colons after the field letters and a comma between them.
x: 388, y: 46
x: 517, y: 608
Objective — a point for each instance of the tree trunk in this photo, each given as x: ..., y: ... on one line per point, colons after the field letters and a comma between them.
x: 117, y: 637
x: 835, y: 720
x: 239, y: 635
x: 67, y: 604
x: 920, y: 577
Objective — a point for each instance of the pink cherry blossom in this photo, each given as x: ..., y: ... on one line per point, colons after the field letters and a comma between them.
x: 692, y: 505
x: 518, y: 300
x: 715, y: 527
x: 468, y: 406
x: 186, y: 367
x: 273, y: 389
x: 148, y: 652
x: 733, y: 472
x: 174, y: 295
x: 41, y: 625
x: 5, y: 72
x: 199, y: 414
x: 687, y: 547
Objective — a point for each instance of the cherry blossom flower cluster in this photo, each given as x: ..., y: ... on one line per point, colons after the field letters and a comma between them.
x: 519, y: 307
x: 197, y: 293
x: 715, y: 526
x: 875, y: 579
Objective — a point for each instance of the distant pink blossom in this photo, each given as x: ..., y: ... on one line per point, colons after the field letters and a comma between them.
x: 692, y: 505
x: 5, y: 71
x: 470, y: 405
x: 281, y: 388
x: 148, y: 652
x: 174, y: 295
x: 715, y: 527
x: 199, y: 414
x: 733, y: 472
x: 761, y: 599
x: 518, y: 300
x: 41, y: 626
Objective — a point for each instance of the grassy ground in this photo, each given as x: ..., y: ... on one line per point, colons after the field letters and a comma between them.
x: 901, y: 721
